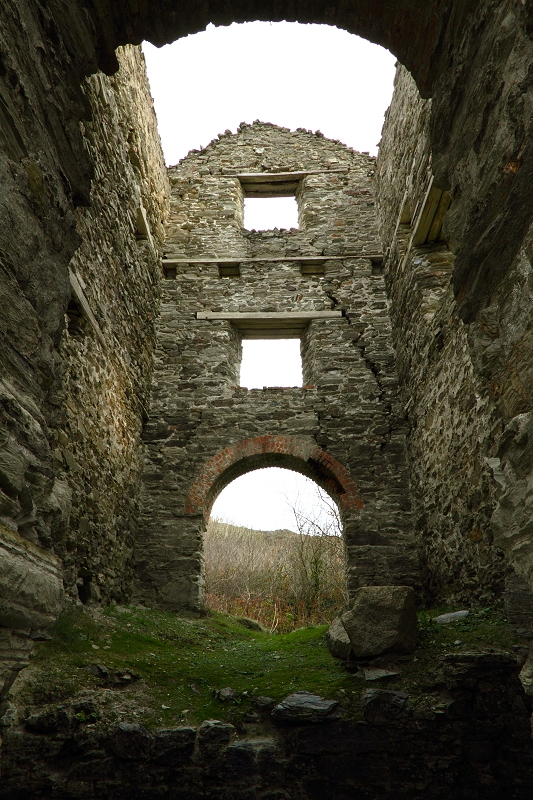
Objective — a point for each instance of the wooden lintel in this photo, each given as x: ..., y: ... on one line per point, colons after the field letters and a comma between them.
x: 270, y: 190
x: 427, y: 212
x: 434, y: 233
x: 258, y: 176
x: 269, y: 324
x: 79, y: 294
x: 376, y: 258
x: 268, y: 316
x: 429, y: 221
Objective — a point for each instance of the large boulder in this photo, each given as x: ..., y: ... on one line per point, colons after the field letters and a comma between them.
x: 382, y: 619
x: 338, y: 640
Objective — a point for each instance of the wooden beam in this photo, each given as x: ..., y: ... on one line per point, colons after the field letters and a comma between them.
x: 428, y: 226
x: 79, y: 294
x: 269, y: 324
x: 266, y: 316
x: 374, y: 257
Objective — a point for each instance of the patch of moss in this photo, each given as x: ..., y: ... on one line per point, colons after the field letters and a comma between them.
x: 163, y: 669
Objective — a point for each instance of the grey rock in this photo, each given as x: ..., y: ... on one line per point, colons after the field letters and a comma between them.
x: 9, y: 717
x: 306, y: 707
x: 455, y: 616
x: 370, y: 674
x: 264, y: 703
x: 98, y: 670
x: 31, y: 590
x: 338, y: 640
x: 526, y: 675
x: 55, y: 720
x: 213, y: 736
x: 382, y: 619
x: 226, y: 695
x: 131, y: 741
x: 381, y: 706
x: 173, y: 745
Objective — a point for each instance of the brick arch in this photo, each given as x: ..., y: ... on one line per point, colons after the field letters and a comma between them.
x: 300, y: 454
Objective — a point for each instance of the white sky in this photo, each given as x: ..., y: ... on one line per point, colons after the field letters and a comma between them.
x: 271, y: 362
x: 299, y: 76
x: 272, y: 492
x: 266, y: 213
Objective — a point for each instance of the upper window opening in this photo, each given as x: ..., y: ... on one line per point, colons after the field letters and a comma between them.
x: 271, y: 362
x: 267, y: 213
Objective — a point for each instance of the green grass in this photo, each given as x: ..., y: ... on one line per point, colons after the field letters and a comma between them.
x: 178, y: 662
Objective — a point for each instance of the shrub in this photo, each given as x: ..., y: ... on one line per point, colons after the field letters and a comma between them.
x: 283, y: 579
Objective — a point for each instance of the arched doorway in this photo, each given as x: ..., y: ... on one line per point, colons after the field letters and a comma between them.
x: 274, y: 551
x: 297, y: 453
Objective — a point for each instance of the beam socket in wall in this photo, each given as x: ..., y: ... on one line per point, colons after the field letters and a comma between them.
x: 229, y: 270
x: 308, y: 268
x: 377, y: 265
x: 75, y: 319
x: 84, y: 588
x: 169, y: 272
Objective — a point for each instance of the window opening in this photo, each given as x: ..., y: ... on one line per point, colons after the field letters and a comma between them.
x: 267, y: 213
x: 274, y: 551
x: 270, y: 363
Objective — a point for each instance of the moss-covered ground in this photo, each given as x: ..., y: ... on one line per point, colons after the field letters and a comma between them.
x: 163, y: 669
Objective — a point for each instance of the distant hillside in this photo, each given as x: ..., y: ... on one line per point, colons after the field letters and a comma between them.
x: 220, y: 527
x: 281, y: 578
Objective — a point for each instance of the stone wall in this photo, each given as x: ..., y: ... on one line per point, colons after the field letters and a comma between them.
x: 470, y: 738
x: 107, y: 345
x: 463, y: 385
x: 346, y: 414
x: 478, y: 134
x: 78, y: 337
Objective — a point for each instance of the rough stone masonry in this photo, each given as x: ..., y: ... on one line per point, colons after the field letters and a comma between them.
x: 321, y: 283
x: 83, y: 188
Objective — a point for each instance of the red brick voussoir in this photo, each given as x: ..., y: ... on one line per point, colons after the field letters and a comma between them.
x: 327, y: 471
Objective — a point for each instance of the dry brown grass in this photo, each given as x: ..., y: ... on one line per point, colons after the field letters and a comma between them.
x: 282, y: 579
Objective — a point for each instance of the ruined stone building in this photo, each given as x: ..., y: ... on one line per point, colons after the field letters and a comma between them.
x: 126, y: 291
x: 323, y: 283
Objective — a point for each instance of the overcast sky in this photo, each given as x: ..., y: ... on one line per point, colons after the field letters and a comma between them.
x: 298, y: 76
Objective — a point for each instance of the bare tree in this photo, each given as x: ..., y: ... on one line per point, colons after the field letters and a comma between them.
x: 285, y: 579
x: 318, y: 558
